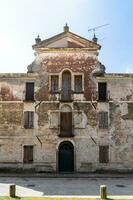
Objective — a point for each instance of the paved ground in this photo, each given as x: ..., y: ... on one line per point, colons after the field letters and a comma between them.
x: 34, y: 186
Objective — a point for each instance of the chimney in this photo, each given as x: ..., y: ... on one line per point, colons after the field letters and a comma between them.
x: 95, y: 39
x: 66, y: 28
x: 38, y: 39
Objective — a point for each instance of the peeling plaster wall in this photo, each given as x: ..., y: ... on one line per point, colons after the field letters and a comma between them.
x: 85, y: 108
x: 119, y: 135
x: 55, y: 61
x: 12, y: 86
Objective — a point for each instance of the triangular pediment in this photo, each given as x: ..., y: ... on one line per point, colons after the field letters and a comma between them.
x: 67, y: 40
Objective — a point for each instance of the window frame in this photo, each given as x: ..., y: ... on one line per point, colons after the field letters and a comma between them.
x: 27, y: 124
x: 23, y: 154
x: 82, y: 75
x: 26, y: 92
x: 59, y: 74
x: 106, y: 97
x: 104, y: 159
x: 101, y: 125
x: 81, y: 91
x: 50, y: 83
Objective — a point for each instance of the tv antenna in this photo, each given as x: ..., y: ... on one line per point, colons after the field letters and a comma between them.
x: 94, y: 31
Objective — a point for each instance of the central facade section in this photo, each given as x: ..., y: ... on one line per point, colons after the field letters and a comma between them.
x: 67, y: 95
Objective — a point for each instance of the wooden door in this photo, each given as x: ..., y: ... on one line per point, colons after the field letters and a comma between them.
x: 66, y: 124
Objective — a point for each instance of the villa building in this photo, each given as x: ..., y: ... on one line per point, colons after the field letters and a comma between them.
x: 66, y: 114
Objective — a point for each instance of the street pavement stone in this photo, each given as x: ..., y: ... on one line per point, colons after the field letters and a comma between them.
x: 41, y: 186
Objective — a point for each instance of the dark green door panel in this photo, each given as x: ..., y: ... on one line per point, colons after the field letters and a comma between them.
x: 66, y: 158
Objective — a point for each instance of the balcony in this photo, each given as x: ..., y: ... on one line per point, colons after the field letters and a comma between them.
x: 103, y: 97
x: 66, y: 95
x: 66, y: 133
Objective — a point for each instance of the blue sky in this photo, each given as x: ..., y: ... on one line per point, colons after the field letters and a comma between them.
x: 22, y: 20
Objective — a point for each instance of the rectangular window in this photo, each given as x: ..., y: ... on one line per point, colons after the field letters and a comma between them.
x: 54, y: 84
x: 104, y: 154
x: 29, y: 96
x: 78, y: 83
x: 66, y: 124
x: 28, y: 154
x: 103, y: 120
x: 102, y: 91
x: 28, y: 119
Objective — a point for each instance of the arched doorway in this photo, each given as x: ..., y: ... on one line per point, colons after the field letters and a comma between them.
x: 66, y: 85
x: 66, y: 157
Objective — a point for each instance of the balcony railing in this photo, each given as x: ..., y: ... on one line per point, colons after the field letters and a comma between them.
x: 66, y: 95
x: 68, y: 133
x: 103, y: 97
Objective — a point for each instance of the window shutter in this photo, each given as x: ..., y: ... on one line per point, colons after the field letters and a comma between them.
x: 54, y: 84
x: 28, y: 119
x: 28, y: 154
x: 31, y: 119
x: 78, y: 83
x: 103, y: 120
x: 104, y: 154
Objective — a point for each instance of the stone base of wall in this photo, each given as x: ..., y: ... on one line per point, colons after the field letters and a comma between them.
x: 40, y: 168
x: 20, y: 167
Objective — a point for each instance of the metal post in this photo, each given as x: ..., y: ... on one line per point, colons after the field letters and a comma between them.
x: 12, y: 190
x: 103, y: 192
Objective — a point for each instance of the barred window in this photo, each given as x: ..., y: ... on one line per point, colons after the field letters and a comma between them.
x: 54, y: 83
x: 28, y: 154
x: 78, y: 83
x: 28, y: 119
x: 103, y: 120
x: 104, y: 154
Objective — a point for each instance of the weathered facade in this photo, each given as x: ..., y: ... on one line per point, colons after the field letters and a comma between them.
x: 66, y: 113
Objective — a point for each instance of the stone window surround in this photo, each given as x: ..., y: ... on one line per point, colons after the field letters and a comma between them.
x: 34, y: 119
x: 107, y: 92
x: 58, y: 112
x: 72, y: 78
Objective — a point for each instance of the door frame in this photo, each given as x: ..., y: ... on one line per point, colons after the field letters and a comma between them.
x: 57, y: 155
